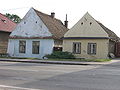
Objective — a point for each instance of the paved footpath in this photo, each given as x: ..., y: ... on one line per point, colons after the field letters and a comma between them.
x: 59, y: 62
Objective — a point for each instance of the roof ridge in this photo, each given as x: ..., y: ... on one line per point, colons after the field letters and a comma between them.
x: 41, y: 12
x: 47, y: 15
x: 6, y: 24
x: 110, y: 33
x: 55, y: 26
x: 6, y: 17
x: 103, y: 25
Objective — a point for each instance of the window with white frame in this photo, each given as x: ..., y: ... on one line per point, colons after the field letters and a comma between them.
x: 22, y: 46
x: 76, y: 47
x: 92, y: 48
x: 35, y: 47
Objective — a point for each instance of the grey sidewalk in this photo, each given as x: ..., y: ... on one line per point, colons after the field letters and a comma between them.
x: 58, y: 62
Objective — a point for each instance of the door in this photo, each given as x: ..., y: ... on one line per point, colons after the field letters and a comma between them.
x: 117, y: 50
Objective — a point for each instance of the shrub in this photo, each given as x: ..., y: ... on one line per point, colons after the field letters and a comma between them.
x: 60, y: 55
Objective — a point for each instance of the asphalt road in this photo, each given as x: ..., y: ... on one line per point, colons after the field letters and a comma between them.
x: 31, y: 76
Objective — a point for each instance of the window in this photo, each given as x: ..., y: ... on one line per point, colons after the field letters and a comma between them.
x: 90, y: 23
x: 81, y: 23
x: 92, y: 48
x: 22, y: 46
x: 76, y: 47
x: 35, y: 47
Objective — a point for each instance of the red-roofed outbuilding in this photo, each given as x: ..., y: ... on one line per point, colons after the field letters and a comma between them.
x: 6, y: 27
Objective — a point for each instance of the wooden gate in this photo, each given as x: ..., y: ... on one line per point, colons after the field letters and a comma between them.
x: 117, y: 49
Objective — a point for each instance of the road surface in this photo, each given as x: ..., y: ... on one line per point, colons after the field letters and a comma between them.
x: 32, y: 76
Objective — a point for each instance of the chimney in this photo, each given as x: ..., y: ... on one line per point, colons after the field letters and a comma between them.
x: 66, y: 22
x: 52, y: 14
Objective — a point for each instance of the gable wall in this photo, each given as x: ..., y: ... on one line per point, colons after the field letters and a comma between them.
x: 86, y: 27
x: 31, y: 26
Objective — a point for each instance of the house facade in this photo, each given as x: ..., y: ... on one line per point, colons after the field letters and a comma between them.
x: 6, y: 27
x: 90, y: 39
x: 36, y: 35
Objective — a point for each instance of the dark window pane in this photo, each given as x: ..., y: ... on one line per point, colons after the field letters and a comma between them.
x: 92, y: 48
x: 22, y: 46
x: 35, y: 47
x: 76, y: 47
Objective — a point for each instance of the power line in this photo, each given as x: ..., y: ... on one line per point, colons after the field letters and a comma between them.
x: 12, y: 9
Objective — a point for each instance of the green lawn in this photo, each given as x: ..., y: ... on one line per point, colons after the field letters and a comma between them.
x: 78, y: 60
x: 82, y: 60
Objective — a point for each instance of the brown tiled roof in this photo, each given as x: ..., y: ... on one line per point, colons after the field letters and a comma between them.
x: 110, y: 33
x: 54, y: 25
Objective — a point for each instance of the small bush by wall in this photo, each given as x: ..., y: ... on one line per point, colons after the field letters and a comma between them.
x: 60, y: 55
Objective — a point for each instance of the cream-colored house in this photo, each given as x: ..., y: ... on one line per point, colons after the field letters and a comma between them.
x: 90, y: 39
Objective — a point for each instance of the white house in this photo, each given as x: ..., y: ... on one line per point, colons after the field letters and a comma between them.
x: 36, y: 35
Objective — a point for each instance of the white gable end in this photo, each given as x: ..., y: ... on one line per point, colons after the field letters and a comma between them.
x: 86, y: 27
x: 31, y: 26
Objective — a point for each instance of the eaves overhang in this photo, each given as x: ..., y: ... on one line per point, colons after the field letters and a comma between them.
x: 86, y: 38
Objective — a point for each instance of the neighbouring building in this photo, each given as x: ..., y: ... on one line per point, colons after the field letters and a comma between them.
x: 90, y: 39
x: 36, y: 35
x: 6, y: 27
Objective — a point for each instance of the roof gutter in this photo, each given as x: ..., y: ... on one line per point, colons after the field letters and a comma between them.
x: 85, y: 38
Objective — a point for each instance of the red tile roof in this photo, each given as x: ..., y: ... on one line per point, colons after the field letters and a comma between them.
x: 6, y: 24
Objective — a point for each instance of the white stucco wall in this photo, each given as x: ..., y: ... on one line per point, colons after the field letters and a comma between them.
x: 31, y: 26
x: 46, y: 47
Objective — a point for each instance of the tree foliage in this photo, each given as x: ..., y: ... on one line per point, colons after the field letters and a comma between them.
x: 15, y: 18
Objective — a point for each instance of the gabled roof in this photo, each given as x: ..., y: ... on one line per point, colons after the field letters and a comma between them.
x: 110, y: 33
x: 54, y: 25
x: 88, y: 28
x: 6, y: 24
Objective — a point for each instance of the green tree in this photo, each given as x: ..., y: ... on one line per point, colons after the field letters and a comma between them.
x: 15, y: 18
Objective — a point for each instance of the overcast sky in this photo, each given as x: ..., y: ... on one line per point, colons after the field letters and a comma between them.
x: 105, y: 11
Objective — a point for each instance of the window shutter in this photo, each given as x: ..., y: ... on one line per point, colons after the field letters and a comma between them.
x: 88, y: 48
